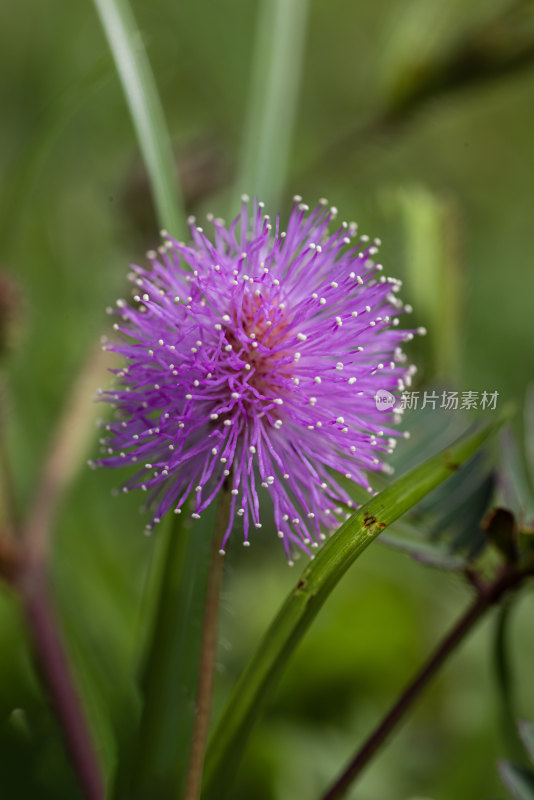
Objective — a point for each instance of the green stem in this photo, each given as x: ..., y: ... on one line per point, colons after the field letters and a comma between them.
x: 171, y: 673
x: 208, y: 656
x: 274, y: 89
x: 303, y: 603
x: 141, y: 93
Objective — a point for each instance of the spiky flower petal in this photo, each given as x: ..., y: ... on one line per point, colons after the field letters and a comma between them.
x: 252, y: 363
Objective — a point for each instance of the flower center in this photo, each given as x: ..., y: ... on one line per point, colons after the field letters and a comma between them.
x: 261, y: 338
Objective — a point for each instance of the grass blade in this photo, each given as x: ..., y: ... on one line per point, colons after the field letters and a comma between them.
x: 273, y: 99
x: 143, y: 100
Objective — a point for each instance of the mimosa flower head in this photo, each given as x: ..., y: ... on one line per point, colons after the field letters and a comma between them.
x: 252, y: 360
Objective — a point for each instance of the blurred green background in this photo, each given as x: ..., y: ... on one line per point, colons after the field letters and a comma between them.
x: 416, y: 119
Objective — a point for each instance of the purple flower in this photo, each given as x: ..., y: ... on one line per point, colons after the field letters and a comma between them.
x: 252, y: 364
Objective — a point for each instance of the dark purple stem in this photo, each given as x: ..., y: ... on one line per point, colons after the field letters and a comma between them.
x: 509, y: 578
x: 55, y: 672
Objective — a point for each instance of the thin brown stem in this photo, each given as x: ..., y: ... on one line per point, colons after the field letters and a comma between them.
x: 509, y: 578
x: 208, y: 655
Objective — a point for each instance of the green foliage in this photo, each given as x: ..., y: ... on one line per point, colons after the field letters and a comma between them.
x: 307, y: 597
x: 445, y: 529
x: 370, y: 122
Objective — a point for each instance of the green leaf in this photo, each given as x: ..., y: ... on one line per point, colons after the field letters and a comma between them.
x: 518, y: 780
x: 303, y: 603
x: 273, y: 99
x: 449, y: 518
x: 433, y: 555
x: 142, y: 96
x: 451, y: 515
x: 170, y: 678
x: 431, y: 430
x: 526, y: 731
x: 462, y: 523
x: 517, y: 491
